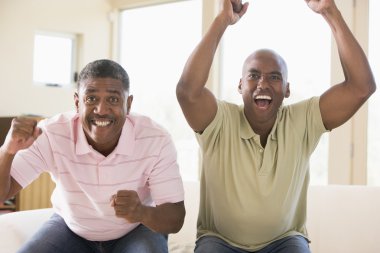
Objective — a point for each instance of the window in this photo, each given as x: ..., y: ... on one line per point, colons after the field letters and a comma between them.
x: 153, y: 52
x: 54, y: 59
x: 373, y: 159
x: 306, y: 51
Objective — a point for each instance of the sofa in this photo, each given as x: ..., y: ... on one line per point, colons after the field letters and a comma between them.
x: 340, y: 219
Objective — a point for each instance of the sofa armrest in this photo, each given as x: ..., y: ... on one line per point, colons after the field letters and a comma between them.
x: 17, y: 227
x: 344, y: 218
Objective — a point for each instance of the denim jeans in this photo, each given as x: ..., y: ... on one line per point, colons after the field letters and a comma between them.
x: 290, y: 244
x: 55, y: 237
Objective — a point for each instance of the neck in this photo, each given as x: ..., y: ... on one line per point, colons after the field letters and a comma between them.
x: 262, y: 128
x: 103, y: 148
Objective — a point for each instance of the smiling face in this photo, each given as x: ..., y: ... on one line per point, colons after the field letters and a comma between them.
x: 263, y: 86
x: 102, y: 104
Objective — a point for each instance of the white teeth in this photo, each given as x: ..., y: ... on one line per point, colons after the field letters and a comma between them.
x: 102, y: 123
x: 264, y: 97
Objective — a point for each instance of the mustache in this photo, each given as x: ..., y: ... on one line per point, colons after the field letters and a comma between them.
x: 101, y: 117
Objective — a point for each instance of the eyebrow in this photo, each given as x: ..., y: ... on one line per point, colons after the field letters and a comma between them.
x: 253, y: 70
x: 93, y: 90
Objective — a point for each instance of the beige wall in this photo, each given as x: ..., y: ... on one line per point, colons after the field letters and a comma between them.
x: 19, y: 19
x: 124, y: 4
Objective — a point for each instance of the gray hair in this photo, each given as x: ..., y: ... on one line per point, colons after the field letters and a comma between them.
x: 104, y: 68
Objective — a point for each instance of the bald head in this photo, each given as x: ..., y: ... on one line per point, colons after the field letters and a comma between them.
x: 266, y: 58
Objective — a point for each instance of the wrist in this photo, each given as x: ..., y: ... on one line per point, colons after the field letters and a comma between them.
x: 6, y: 152
x: 223, y: 20
x: 331, y: 12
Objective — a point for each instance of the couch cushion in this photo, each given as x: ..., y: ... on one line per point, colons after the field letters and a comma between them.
x: 17, y: 227
x: 343, y: 218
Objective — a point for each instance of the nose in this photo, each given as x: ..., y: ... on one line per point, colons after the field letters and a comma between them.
x: 262, y: 82
x: 101, y: 108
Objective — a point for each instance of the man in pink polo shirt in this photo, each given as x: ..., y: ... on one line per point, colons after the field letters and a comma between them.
x: 118, y: 187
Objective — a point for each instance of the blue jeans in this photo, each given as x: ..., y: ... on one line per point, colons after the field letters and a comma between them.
x: 55, y: 237
x: 290, y: 244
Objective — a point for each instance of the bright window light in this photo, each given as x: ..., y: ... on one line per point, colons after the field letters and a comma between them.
x: 373, y: 159
x: 53, y: 60
x: 155, y: 44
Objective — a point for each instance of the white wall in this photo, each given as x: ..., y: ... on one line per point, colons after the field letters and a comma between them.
x: 19, y: 19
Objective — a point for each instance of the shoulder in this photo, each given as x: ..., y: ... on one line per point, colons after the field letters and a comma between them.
x: 227, y: 106
x: 144, y: 126
x: 228, y: 110
x: 306, y: 106
x: 227, y: 117
x: 303, y: 116
x: 60, y: 124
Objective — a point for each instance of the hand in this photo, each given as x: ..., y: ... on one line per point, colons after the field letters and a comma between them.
x: 127, y: 205
x: 235, y: 9
x: 320, y: 6
x: 237, y: 6
x: 21, y: 135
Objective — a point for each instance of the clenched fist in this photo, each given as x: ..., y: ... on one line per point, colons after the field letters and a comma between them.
x: 127, y: 205
x: 23, y: 132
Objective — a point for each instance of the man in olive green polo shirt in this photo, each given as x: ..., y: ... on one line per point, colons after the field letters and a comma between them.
x: 255, y: 168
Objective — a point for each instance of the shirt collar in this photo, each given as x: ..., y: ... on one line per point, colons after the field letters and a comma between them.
x: 125, y: 145
x: 246, y: 131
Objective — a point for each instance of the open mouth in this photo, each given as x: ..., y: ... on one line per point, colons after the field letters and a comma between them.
x: 102, y: 123
x: 263, y: 101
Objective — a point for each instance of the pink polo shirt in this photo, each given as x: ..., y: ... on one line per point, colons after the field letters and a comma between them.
x: 144, y: 160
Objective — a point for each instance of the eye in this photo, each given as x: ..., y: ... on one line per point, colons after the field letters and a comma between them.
x: 90, y: 100
x: 254, y: 76
x: 275, y: 77
x: 113, y: 100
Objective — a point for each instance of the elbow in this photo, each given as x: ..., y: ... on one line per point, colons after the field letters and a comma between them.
x: 365, y: 92
x: 180, y: 91
x: 4, y: 192
x: 178, y: 222
x: 184, y: 94
x: 3, y: 196
x: 2, y: 199
x: 371, y: 84
x: 371, y: 89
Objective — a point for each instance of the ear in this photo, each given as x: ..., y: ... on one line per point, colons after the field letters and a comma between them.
x: 129, y: 103
x: 76, y: 101
x: 287, y: 90
x: 239, y: 87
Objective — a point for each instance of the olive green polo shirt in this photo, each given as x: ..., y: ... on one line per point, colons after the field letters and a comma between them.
x: 250, y: 195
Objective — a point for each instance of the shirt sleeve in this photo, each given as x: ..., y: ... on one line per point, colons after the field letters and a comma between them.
x: 307, y: 119
x: 165, y: 181
x: 28, y: 164
x: 210, y: 134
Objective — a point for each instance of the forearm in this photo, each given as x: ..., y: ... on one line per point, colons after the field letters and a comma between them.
x: 166, y: 218
x: 354, y: 62
x: 5, y: 178
x: 197, y: 68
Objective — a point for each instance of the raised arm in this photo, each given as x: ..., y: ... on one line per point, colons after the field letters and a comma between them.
x: 341, y: 101
x: 22, y: 134
x: 197, y: 102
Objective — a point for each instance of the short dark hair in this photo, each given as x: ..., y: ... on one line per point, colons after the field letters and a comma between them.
x: 104, y: 68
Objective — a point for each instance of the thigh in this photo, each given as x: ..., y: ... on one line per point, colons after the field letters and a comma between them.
x: 213, y: 244
x: 290, y: 244
x: 55, y: 236
x: 142, y: 240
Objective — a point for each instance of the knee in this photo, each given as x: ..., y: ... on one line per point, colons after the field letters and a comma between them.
x: 209, y: 244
